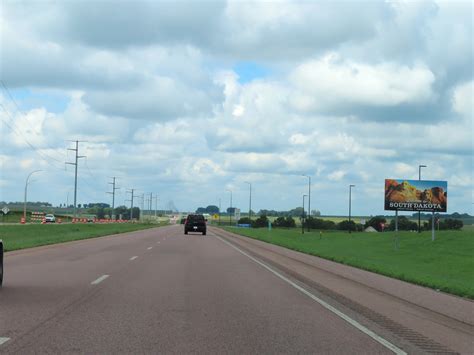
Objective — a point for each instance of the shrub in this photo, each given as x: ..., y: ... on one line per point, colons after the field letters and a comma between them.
x: 404, y: 224
x: 318, y: 223
x: 260, y: 222
x: 287, y: 222
x: 350, y: 225
x: 244, y: 220
x: 448, y: 223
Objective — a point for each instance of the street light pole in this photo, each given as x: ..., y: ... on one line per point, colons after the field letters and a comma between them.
x: 250, y: 199
x: 309, y: 196
x: 350, y: 205
x: 419, y: 213
x: 302, y: 217
x: 26, y: 192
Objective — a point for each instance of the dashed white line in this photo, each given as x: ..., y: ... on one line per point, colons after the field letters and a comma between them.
x: 150, y: 248
x: 133, y: 258
x: 99, y: 280
x: 3, y: 340
x: 348, y: 319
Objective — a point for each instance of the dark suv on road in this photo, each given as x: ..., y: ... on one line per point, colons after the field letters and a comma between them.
x: 195, y: 223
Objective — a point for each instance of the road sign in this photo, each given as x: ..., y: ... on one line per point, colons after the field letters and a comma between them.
x: 237, y: 214
x: 5, y: 210
x: 215, y: 216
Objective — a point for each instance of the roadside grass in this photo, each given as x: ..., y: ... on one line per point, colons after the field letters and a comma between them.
x: 32, y: 235
x: 447, y: 264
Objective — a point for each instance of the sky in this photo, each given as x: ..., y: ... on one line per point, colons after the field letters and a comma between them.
x: 190, y: 100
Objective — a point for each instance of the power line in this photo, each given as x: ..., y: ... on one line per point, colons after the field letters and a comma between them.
x: 43, y: 155
x: 21, y: 111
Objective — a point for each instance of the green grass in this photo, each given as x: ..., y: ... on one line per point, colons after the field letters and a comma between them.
x: 27, y: 236
x: 446, y: 264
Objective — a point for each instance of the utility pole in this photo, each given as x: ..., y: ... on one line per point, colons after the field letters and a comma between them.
x: 143, y: 207
x: 75, y: 171
x: 219, y: 211
x: 250, y: 199
x: 113, y: 195
x: 309, y: 196
x: 150, y: 203
x: 131, y: 191
x: 303, y: 218
x: 156, y: 205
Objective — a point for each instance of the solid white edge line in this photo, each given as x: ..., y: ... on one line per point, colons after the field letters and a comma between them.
x: 3, y: 340
x: 133, y: 258
x: 99, y: 280
x: 348, y: 319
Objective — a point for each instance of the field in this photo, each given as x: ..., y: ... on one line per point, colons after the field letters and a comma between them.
x: 27, y: 236
x: 446, y: 264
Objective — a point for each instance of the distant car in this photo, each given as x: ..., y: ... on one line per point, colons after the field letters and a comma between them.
x: 195, y: 223
x: 49, y: 218
x: 1, y: 262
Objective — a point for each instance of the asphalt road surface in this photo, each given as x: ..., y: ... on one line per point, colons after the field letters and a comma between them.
x: 160, y: 291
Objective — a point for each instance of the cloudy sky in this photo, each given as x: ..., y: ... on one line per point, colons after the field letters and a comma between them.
x: 191, y: 99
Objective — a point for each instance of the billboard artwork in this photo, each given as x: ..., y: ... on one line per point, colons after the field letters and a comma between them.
x: 416, y: 195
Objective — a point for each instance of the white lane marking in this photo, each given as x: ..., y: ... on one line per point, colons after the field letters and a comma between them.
x: 133, y: 258
x: 149, y: 248
x: 3, y: 340
x: 99, y: 280
x: 348, y: 319
x: 157, y: 242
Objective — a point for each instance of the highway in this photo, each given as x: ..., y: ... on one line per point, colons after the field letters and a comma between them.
x: 160, y: 291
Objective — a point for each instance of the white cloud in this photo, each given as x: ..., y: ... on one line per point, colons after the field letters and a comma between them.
x: 463, y: 100
x: 329, y: 81
x: 337, y: 175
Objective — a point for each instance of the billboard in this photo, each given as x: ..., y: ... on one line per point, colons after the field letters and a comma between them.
x: 416, y: 195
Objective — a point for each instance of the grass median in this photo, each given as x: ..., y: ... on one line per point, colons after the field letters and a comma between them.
x: 446, y: 264
x: 27, y: 236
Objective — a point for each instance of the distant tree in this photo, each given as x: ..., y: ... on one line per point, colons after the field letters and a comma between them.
x: 284, y: 222
x: 244, y: 220
x: 318, y: 223
x: 122, y: 210
x: 260, y: 222
x: 448, y: 223
x: 136, y: 212
x: 211, y: 209
x: 453, y: 223
x: 346, y: 225
x: 201, y: 210
x: 231, y: 210
x: 296, y: 212
x: 100, y: 213
x: 404, y: 224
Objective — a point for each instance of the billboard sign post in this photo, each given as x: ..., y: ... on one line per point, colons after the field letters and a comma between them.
x: 416, y: 195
